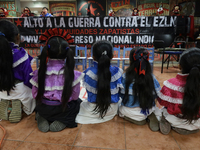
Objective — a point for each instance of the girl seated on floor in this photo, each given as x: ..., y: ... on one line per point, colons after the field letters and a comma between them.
x: 140, y: 88
x: 181, y: 96
x: 56, y: 86
x: 102, y: 83
x: 15, y: 66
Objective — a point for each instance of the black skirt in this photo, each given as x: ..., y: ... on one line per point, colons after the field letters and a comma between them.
x: 52, y: 113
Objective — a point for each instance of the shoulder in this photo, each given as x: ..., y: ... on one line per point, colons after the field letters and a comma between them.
x: 49, y: 14
x: 116, y: 73
x: 91, y: 73
x: 78, y: 76
x: 20, y: 56
x: 174, y: 84
x: 171, y: 92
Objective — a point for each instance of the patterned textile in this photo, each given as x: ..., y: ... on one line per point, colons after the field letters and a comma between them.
x: 54, y: 81
x: 90, y: 82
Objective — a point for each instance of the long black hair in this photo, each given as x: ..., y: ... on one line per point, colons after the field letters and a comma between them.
x: 143, y: 87
x: 27, y: 8
x: 57, y: 48
x: 103, y: 53
x: 190, y: 64
x: 8, y: 33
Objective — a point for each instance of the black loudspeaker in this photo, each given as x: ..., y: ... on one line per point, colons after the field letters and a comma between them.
x: 181, y: 25
x: 168, y: 40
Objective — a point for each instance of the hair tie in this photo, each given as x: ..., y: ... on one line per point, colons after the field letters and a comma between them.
x: 141, y: 57
x: 49, y: 46
x: 104, y: 53
x: 196, y: 66
x: 67, y: 48
x: 2, y: 34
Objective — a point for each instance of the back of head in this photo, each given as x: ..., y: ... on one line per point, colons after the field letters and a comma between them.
x: 139, y: 72
x: 45, y: 8
x: 190, y: 64
x: 9, y: 29
x: 103, y: 53
x: 57, y: 48
x: 8, y: 33
x: 27, y: 8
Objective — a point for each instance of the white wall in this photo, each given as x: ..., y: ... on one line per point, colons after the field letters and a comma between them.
x: 34, y: 4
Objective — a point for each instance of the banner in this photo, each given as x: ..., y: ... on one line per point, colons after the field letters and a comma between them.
x: 96, y: 7
x: 10, y: 7
x: 121, y: 7
x: 150, y: 9
x: 63, y: 8
x: 121, y: 31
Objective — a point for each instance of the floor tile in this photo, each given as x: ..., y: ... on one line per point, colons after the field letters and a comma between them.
x: 104, y: 135
x: 141, y: 138
x: 10, y: 145
x: 67, y: 136
x: 118, y: 119
x: 39, y: 146
x: 188, y: 142
x: 86, y: 148
x: 19, y: 131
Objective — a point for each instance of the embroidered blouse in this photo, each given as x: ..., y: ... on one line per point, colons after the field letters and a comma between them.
x: 172, y: 93
x: 21, y: 64
x: 131, y: 95
x: 54, y: 81
x: 90, y: 82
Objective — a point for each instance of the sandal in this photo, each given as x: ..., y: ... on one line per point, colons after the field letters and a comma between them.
x: 153, y: 122
x: 57, y: 126
x: 143, y: 122
x: 165, y: 126
x: 184, y: 131
x: 43, y: 124
x: 4, y: 109
x: 16, y: 113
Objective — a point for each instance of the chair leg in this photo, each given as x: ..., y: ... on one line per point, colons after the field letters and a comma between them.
x: 168, y: 62
x: 37, y: 63
x: 85, y: 64
x: 76, y: 64
x: 162, y: 63
x: 123, y: 64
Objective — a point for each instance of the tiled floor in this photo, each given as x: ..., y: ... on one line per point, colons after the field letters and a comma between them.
x: 114, y: 134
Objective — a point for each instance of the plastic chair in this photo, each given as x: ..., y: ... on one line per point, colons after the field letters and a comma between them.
x: 117, y: 49
x: 90, y: 59
x: 151, y: 56
x: 78, y: 53
x: 124, y: 56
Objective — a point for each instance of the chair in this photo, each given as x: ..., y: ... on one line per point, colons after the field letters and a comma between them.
x: 78, y: 53
x: 37, y: 59
x: 116, y: 49
x: 124, y: 56
x: 163, y: 42
x: 151, y: 56
x: 90, y: 59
